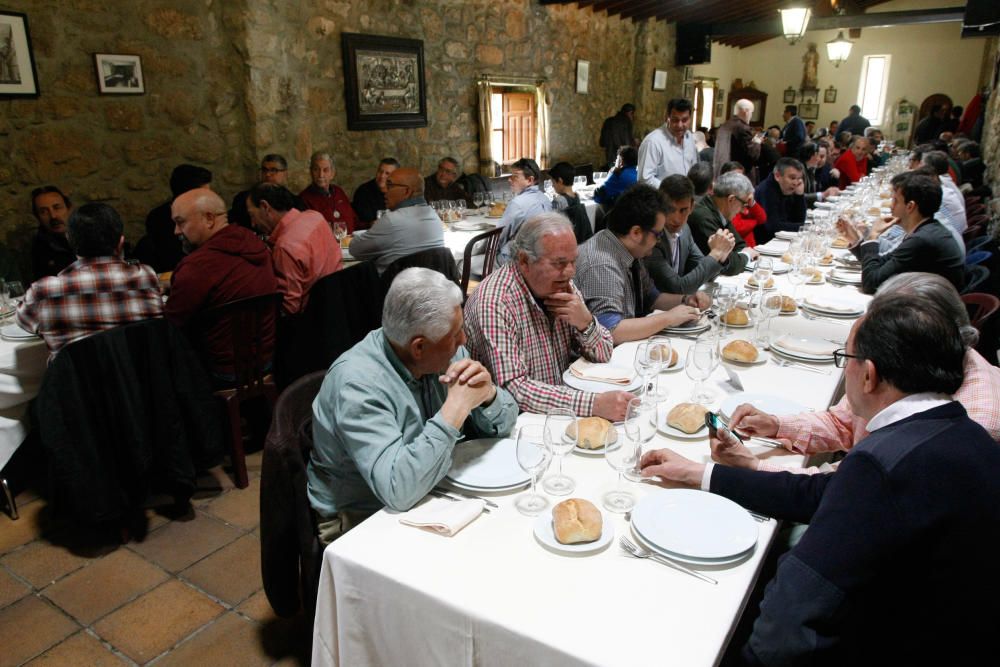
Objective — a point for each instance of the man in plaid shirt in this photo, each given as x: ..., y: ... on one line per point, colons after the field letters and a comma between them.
x: 527, y: 322
x: 98, y: 291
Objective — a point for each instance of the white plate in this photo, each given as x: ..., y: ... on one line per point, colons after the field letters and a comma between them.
x: 700, y: 434
x: 846, y: 277
x: 694, y: 327
x: 471, y: 226
x: 704, y: 562
x: 596, y: 386
x: 786, y: 235
x: 834, y: 305
x: 803, y: 356
x: 761, y: 359
x: 741, y: 326
x: 545, y: 534
x: 772, y: 251
x: 773, y: 405
x: 694, y: 524
x: 15, y: 332
x: 487, y: 463
x: 681, y: 360
x: 491, y: 489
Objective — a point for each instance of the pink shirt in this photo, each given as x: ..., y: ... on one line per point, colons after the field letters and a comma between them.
x: 304, y: 250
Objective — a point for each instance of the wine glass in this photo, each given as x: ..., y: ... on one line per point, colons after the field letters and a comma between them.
x: 478, y: 199
x: 640, y: 421
x: 797, y: 277
x: 645, y: 365
x: 621, y: 451
x: 660, y: 351
x: 460, y: 208
x: 725, y: 298
x: 533, y: 455
x: 560, y: 443
x: 339, y: 230
x: 702, y: 359
x: 15, y: 292
x: 769, y: 307
x: 762, y: 273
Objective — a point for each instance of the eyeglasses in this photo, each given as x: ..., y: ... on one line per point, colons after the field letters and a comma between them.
x: 840, y: 357
x: 658, y: 234
x: 271, y: 170
x: 746, y: 204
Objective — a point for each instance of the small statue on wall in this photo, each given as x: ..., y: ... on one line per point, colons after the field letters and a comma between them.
x: 810, y: 64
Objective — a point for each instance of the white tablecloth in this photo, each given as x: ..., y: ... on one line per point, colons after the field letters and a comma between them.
x: 21, y: 368
x: 492, y: 595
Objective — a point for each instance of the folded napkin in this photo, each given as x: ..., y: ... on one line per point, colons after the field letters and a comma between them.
x: 806, y: 345
x: 836, y: 305
x: 586, y: 370
x: 443, y: 516
x: 773, y: 247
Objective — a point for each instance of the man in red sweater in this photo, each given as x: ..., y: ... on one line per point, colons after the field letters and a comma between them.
x: 323, y: 196
x: 853, y: 164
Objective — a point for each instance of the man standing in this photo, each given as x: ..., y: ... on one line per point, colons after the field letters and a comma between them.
x: 410, y: 225
x: 613, y: 279
x: 273, y: 169
x: 929, y: 128
x: 369, y: 198
x: 528, y: 202
x: 98, y: 291
x: 303, y: 246
x: 527, y: 322
x: 714, y: 213
x: 617, y: 132
x: 735, y: 141
x: 670, y: 148
x: 677, y: 265
x: 50, y: 250
x: 927, y: 245
x: 794, y: 132
x: 855, y: 123
x: 782, y: 194
x: 390, y: 410
x: 323, y: 196
x: 443, y: 184
x: 225, y: 263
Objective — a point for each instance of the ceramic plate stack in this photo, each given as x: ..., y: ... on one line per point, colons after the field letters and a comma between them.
x: 488, y: 465
x: 693, y: 328
x: 694, y: 527
x: 845, y: 276
x: 14, y: 333
x: 810, y: 350
x: 831, y: 305
x: 786, y: 235
x: 773, y: 249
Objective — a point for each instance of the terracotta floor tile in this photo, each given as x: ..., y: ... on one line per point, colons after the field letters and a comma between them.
x: 42, y: 563
x: 181, y: 543
x: 156, y: 621
x: 232, y: 573
x: 80, y: 649
x: 104, y: 585
x: 240, y: 507
x: 11, y: 589
x: 257, y: 607
x: 26, y: 529
x: 30, y: 626
x: 231, y: 640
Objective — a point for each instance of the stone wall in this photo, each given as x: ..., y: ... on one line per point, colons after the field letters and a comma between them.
x: 229, y: 81
x: 991, y: 129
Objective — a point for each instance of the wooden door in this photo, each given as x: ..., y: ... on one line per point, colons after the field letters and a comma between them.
x: 925, y: 110
x: 518, y: 126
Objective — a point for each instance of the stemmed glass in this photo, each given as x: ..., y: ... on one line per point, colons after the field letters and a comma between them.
x: 533, y: 455
x: 646, y: 365
x: 797, y: 277
x: 702, y: 359
x: 460, y: 207
x: 640, y: 423
x: 339, y: 231
x: 725, y: 298
x: 660, y: 352
x: 762, y: 273
x: 621, y: 451
x: 477, y: 199
x: 769, y: 307
x: 15, y: 292
x: 560, y: 443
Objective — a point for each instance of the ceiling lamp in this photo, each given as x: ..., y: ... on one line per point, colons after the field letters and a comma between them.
x: 794, y: 22
x: 837, y: 50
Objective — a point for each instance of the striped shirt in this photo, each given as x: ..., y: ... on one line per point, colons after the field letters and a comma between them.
x: 89, y: 296
x: 604, y: 275
x: 525, y: 349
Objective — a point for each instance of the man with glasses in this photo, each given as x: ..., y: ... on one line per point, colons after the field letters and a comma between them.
x: 410, y: 225
x: 782, y: 194
x: 273, y: 169
x: 731, y: 194
x: 443, y: 184
x: 670, y: 148
x: 613, y: 278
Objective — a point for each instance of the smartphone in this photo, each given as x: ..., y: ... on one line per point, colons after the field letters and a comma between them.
x: 714, y: 424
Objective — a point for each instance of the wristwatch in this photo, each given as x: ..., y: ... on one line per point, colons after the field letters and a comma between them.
x: 590, y: 328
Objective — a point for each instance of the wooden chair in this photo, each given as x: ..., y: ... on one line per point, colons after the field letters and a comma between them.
x: 438, y: 259
x: 491, y: 241
x: 972, y: 233
x: 981, y: 308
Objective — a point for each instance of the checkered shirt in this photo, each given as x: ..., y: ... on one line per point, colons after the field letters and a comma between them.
x: 88, y: 296
x: 525, y: 349
x: 603, y: 273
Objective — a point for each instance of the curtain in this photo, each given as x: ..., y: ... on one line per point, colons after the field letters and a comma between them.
x: 485, y: 131
x: 542, y: 104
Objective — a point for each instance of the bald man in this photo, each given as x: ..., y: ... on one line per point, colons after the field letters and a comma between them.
x: 735, y: 140
x: 410, y: 225
x: 225, y: 263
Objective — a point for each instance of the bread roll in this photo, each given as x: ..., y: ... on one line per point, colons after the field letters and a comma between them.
x: 576, y: 520
x: 593, y: 432
x: 498, y: 209
x: 787, y: 258
x: 741, y: 351
x: 788, y: 304
x: 737, y: 316
x: 839, y: 242
x: 753, y: 282
x: 827, y: 260
x: 660, y: 352
x: 815, y: 275
x: 687, y: 417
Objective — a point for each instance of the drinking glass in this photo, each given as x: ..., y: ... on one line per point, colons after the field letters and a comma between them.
x: 640, y: 421
x: 15, y: 292
x: 702, y: 359
x: 533, y: 455
x: 477, y: 199
x: 762, y: 273
x: 646, y: 365
x: 339, y: 231
x: 560, y: 443
x: 660, y: 352
x: 725, y: 298
x: 797, y: 276
x: 460, y: 207
x: 769, y: 307
x: 622, y: 454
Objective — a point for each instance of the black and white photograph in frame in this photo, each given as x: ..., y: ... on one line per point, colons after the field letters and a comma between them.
x: 119, y: 74
x: 809, y: 111
x: 383, y: 82
x: 17, y: 63
x: 660, y: 79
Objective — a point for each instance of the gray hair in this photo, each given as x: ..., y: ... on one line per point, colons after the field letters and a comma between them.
x: 420, y: 302
x: 732, y: 183
x: 321, y: 155
x: 534, y: 230
x: 742, y: 105
x: 937, y: 289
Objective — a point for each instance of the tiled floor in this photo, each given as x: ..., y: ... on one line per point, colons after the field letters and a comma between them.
x: 189, y: 594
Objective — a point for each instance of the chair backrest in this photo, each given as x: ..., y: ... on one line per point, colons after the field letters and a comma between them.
x: 977, y: 257
x: 577, y: 214
x: 585, y: 170
x: 971, y: 233
x: 439, y: 259
x: 491, y: 241
x: 252, y: 324
x: 975, y: 277
x: 978, y: 219
x: 981, y: 308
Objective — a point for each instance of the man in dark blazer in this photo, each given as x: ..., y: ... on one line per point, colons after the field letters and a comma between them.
x: 735, y: 141
x: 927, y: 246
x: 732, y: 193
x: 794, y: 131
x: 782, y: 194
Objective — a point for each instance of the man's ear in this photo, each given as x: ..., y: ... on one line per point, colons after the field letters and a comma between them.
x: 418, y: 345
x: 871, y: 377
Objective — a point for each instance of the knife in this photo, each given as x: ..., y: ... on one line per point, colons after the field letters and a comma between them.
x: 465, y: 496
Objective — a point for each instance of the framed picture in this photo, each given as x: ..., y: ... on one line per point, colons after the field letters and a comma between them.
x: 18, y: 77
x: 830, y: 95
x: 789, y: 97
x: 582, y: 76
x: 809, y: 111
x: 720, y: 110
x: 688, y: 73
x: 384, y: 84
x: 660, y: 79
x: 119, y: 74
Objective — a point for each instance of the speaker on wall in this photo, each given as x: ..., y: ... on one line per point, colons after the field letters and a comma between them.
x: 694, y: 46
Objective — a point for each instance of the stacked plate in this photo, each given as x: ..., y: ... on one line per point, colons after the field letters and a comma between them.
x: 773, y: 249
x: 693, y: 328
x: 845, y: 276
x: 471, y: 225
x: 830, y: 305
x: 488, y: 465
x: 13, y: 332
x: 694, y: 527
x: 786, y: 235
x: 599, y: 386
x: 812, y: 350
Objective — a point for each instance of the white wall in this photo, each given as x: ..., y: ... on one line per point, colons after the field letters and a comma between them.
x: 926, y: 59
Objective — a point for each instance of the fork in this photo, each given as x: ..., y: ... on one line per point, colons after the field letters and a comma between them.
x: 794, y: 364
x: 809, y: 316
x: 638, y: 552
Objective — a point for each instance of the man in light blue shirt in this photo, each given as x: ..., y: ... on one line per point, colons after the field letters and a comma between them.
x: 391, y: 408
x: 669, y: 149
x: 528, y: 202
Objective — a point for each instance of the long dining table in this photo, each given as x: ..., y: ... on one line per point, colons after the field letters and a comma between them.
x: 492, y: 594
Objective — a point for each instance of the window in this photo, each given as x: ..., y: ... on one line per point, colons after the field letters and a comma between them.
x: 871, y: 90
x: 513, y: 116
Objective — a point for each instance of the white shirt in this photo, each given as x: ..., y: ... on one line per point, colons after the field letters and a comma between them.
x: 660, y: 155
x: 952, y: 211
